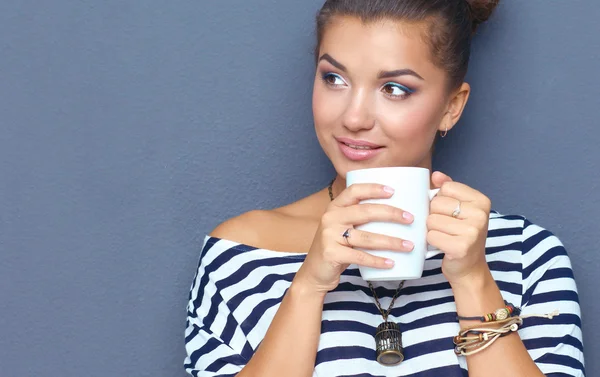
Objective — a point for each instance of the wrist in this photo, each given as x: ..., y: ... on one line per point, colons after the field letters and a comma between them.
x: 477, y: 279
x: 477, y: 294
x: 305, y: 290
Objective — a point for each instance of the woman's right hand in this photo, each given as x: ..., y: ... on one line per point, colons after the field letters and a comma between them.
x: 329, y: 253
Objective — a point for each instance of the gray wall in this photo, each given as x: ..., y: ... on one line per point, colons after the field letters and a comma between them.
x: 130, y: 129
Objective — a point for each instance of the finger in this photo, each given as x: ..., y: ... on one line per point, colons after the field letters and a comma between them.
x: 448, y: 225
x: 362, y: 191
x: 461, y: 192
x: 361, y: 258
x: 451, y: 246
x: 359, y: 214
x: 373, y: 241
x: 438, y: 179
x: 445, y: 205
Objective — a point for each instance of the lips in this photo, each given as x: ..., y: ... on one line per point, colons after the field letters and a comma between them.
x: 358, y: 144
x: 358, y: 150
x: 359, y: 147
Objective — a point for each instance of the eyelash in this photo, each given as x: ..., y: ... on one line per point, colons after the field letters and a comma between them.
x: 407, y: 91
x: 328, y: 75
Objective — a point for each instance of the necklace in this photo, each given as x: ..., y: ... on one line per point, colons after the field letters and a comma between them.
x: 388, y: 338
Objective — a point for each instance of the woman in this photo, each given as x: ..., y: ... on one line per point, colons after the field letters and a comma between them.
x: 277, y: 293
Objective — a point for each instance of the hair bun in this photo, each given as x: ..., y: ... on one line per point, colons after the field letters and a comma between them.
x: 481, y: 11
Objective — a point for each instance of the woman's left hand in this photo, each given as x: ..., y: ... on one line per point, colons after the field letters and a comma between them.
x: 462, y: 238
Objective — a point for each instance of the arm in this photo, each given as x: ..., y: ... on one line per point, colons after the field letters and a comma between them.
x: 551, y: 346
x: 290, y: 345
x: 542, y: 346
x: 548, y: 284
x: 463, y: 239
x: 508, y: 355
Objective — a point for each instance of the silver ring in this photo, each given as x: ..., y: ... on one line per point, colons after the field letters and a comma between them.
x: 346, y: 235
x: 456, y: 210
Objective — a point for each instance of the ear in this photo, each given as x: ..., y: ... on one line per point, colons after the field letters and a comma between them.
x: 456, y: 105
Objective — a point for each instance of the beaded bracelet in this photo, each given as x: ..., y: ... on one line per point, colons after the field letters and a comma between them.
x: 477, y: 338
x: 501, y: 314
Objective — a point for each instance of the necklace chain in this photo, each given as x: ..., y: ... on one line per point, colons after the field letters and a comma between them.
x: 385, y: 314
x: 330, y: 188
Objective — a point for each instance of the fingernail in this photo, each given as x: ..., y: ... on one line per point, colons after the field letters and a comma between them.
x: 409, y: 245
x: 408, y: 216
x: 388, y: 189
x: 389, y: 262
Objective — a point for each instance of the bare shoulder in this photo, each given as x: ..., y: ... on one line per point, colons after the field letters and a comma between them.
x: 248, y: 228
x: 290, y: 228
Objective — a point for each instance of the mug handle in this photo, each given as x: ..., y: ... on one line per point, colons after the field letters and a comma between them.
x: 431, y: 251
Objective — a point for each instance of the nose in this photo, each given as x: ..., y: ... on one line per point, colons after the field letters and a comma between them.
x: 359, y: 113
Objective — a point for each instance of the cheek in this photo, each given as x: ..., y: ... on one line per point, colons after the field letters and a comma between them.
x: 409, y: 122
x: 319, y: 106
x: 327, y: 106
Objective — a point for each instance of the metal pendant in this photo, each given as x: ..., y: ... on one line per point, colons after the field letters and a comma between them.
x: 388, y: 340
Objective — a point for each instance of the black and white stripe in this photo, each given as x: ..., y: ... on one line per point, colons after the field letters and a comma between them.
x: 237, y: 291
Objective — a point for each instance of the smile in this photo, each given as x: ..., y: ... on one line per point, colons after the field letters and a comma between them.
x: 360, y: 147
x: 359, y: 151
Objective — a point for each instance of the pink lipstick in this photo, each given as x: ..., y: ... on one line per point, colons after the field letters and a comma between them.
x: 358, y: 150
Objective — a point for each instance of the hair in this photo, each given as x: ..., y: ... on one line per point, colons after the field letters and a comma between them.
x: 450, y: 25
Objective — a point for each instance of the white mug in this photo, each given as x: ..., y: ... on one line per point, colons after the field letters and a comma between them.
x: 412, y: 194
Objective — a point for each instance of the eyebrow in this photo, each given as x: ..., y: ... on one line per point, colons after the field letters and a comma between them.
x: 333, y: 62
x: 399, y: 72
x: 382, y: 74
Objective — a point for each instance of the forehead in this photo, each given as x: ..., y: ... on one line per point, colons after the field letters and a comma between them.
x: 379, y: 45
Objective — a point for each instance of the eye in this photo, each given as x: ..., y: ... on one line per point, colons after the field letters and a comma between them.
x: 395, y: 90
x: 333, y: 80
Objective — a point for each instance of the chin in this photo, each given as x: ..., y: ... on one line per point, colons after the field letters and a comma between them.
x: 343, y: 167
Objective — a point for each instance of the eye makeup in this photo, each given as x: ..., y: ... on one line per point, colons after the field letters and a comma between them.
x: 392, y: 90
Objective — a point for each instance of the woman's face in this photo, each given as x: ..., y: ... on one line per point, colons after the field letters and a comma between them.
x: 378, y: 100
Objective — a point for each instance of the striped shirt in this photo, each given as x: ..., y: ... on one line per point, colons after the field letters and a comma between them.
x: 238, y: 289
